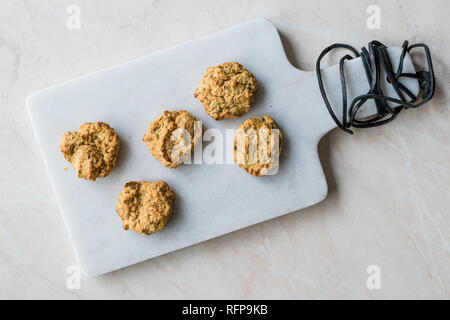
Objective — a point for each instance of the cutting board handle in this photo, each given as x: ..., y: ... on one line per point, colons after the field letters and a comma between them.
x: 357, y: 85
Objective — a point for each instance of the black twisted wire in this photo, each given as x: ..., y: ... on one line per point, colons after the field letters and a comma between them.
x: 373, y: 60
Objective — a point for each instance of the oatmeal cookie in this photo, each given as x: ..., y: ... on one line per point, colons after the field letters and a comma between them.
x: 145, y: 207
x: 166, y: 143
x: 257, y: 146
x: 227, y: 91
x: 92, y: 150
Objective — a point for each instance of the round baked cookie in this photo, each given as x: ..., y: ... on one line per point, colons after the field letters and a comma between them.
x: 92, y: 150
x: 145, y: 207
x: 166, y: 142
x: 257, y: 146
x: 227, y: 91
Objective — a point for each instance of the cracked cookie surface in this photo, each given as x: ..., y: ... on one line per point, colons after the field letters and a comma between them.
x: 92, y: 150
x: 166, y: 143
x: 145, y: 207
x: 257, y: 146
x: 227, y: 91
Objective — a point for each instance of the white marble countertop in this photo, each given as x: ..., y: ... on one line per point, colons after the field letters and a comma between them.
x: 389, y: 187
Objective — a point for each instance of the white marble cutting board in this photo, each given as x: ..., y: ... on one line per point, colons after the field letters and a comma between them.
x: 211, y: 200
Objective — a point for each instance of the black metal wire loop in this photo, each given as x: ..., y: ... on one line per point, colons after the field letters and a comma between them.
x: 376, y: 59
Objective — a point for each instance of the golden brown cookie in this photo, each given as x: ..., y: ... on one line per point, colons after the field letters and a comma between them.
x: 165, y: 138
x: 227, y: 91
x: 92, y: 150
x: 257, y: 146
x: 145, y: 207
